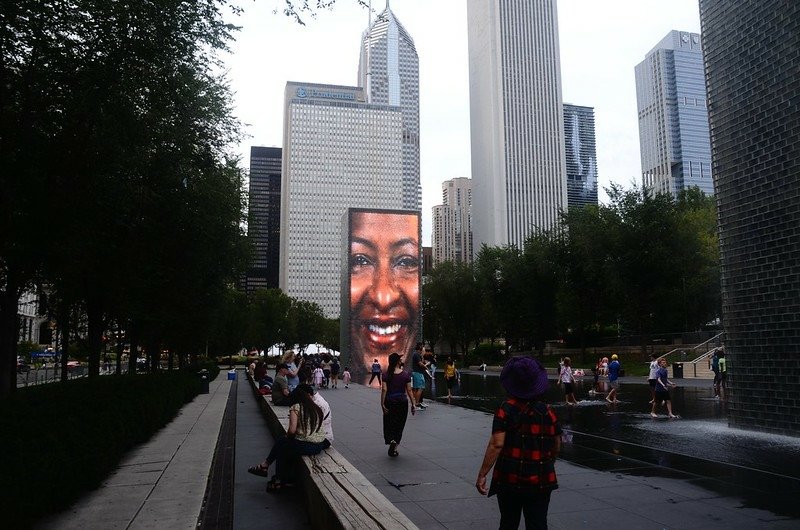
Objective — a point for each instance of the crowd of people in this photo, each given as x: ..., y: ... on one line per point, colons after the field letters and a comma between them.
x: 522, y: 471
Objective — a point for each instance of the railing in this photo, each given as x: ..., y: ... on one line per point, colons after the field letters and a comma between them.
x: 716, y: 340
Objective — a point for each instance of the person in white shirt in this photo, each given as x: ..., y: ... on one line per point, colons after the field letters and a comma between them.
x: 566, y: 377
x: 653, y: 376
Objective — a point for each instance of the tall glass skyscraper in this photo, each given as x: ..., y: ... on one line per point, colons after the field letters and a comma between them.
x: 581, y: 155
x: 752, y: 52
x: 339, y: 152
x: 673, y: 116
x: 519, y: 182
x: 388, y: 70
x: 264, y: 226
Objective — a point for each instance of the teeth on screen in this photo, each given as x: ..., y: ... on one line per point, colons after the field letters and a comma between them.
x: 388, y: 330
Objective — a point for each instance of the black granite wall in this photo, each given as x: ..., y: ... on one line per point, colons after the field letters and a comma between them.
x: 752, y: 56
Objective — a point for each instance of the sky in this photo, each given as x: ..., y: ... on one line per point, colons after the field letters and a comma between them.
x: 601, y: 42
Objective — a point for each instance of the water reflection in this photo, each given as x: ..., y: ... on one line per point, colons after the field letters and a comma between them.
x: 623, y: 436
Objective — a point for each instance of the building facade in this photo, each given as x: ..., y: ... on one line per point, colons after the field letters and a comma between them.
x: 388, y: 70
x: 452, y: 223
x: 264, y: 222
x: 673, y: 116
x: 339, y: 152
x: 581, y: 155
x: 752, y: 60
x: 516, y: 120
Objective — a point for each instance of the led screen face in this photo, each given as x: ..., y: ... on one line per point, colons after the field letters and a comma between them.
x: 384, y: 283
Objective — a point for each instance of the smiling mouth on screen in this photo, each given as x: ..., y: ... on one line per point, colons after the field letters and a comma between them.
x: 383, y: 335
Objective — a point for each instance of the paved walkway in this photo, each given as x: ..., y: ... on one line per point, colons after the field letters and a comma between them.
x: 162, y: 483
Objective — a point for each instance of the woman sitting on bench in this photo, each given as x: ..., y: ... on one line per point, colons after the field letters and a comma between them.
x: 305, y: 436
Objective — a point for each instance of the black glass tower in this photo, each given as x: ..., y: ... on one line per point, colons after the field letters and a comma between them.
x: 752, y: 61
x: 264, y: 227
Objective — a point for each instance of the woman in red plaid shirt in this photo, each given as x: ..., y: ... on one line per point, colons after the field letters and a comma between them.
x: 525, y: 441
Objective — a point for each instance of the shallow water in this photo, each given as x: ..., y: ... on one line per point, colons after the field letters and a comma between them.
x: 623, y: 437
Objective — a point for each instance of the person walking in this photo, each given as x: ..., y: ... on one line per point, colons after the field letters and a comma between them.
x: 334, y: 372
x: 567, y: 378
x: 525, y: 441
x: 346, y: 377
x: 396, y: 394
x: 715, y: 369
x: 722, y: 386
x: 613, y: 376
x: 419, y: 369
x: 376, y: 372
x: 663, y: 384
x: 653, y: 376
x: 450, y: 376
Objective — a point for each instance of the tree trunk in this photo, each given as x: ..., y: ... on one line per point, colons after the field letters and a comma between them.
x: 64, y: 329
x: 134, y: 342
x: 171, y: 362
x: 9, y: 330
x: 120, y: 349
x: 96, y: 327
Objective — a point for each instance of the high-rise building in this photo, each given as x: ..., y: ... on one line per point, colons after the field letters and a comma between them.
x: 388, y: 70
x: 673, y: 116
x: 516, y: 120
x: 339, y: 152
x: 452, y: 223
x: 752, y: 60
x: 264, y: 224
x: 581, y: 155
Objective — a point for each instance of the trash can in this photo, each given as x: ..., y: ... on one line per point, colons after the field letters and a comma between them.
x: 203, y: 381
x: 231, y: 375
x: 677, y: 370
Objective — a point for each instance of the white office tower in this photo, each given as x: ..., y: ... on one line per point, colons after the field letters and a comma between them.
x: 339, y: 152
x: 517, y: 126
x: 388, y: 70
x: 673, y: 117
x: 452, y: 223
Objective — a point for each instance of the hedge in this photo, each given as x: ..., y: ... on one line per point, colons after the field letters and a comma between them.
x: 61, y: 440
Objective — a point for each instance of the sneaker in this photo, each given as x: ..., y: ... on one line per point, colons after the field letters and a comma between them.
x: 422, y: 405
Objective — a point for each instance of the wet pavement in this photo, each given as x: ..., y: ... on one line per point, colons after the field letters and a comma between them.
x: 698, y: 446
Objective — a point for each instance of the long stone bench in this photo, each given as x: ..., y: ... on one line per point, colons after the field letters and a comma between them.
x: 338, y: 495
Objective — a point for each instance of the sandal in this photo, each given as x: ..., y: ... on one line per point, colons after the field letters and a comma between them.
x: 274, y: 486
x: 258, y: 470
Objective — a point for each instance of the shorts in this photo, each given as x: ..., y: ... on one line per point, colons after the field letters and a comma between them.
x: 417, y: 380
x: 614, y: 384
x: 662, y: 395
x: 568, y: 388
x: 451, y: 382
x: 652, y: 382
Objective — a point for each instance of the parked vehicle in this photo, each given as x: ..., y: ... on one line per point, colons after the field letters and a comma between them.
x: 22, y: 367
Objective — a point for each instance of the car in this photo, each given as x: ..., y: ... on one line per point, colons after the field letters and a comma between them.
x: 71, y: 365
x: 22, y: 367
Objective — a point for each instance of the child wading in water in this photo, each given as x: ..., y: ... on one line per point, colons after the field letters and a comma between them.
x: 568, y: 380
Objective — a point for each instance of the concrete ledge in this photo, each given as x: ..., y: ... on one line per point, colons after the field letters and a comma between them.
x: 338, y: 495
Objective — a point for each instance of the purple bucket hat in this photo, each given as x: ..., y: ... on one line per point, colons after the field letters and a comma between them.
x: 524, y: 378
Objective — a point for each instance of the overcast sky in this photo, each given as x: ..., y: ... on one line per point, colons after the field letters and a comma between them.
x: 601, y: 42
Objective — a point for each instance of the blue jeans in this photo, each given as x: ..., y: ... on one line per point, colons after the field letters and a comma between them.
x: 287, y: 449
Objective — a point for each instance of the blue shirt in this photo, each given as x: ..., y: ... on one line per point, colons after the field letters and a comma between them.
x: 662, y: 377
x: 613, y: 370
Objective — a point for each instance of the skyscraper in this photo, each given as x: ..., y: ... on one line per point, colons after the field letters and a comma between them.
x: 581, y: 155
x: 752, y: 60
x: 673, y: 116
x: 339, y: 152
x: 517, y: 125
x: 452, y: 225
x: 388, y: 70
x: 264, y: 226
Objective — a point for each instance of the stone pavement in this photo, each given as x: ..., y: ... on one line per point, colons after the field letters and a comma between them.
x: 432, y: 481
x: 162, y: 484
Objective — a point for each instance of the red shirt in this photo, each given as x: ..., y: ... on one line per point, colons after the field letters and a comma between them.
x: 527, y: 460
